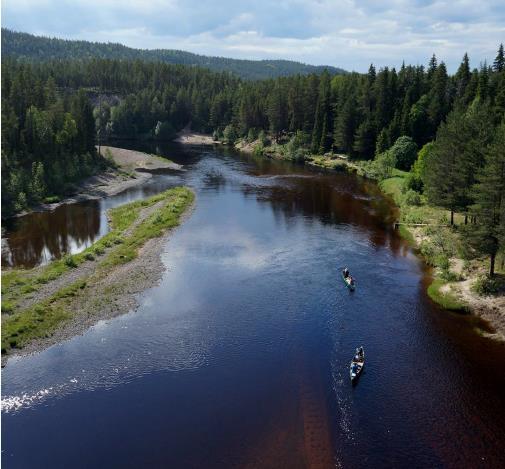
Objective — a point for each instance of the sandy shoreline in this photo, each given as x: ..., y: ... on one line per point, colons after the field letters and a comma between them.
x: 134, y: 168
x: 186, y: 137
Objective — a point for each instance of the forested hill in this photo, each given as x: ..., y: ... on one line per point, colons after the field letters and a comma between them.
x: 36, y: 48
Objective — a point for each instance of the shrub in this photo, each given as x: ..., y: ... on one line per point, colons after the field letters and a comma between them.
x: 412, y: 198
x: 489, y: 285
x: 230, y: 134
x: 70, y: 261
x: 7, y: 307
x: 110, y: 159
x: 419, y: 167
x: 251, y: 135
x: 262, y: 137
x: 258, y: 149
x: 99, y: 250
x: 52, y: 199
x: 89, y: 256
x: 383, y: 165
x: 412, y: 181
x: 404, y: 152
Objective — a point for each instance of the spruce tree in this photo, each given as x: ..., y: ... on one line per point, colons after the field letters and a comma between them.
x: 345, y: 126
x: 444, y: 175
x: 462, y: 77
x: 487, y: 236
x: 499, y: 62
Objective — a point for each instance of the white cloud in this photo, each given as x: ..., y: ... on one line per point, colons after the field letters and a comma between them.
x: 347, y: 33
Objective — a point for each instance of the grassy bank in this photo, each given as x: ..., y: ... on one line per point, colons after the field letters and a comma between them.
x: 458, y: 276
x: 460, y: 280
x: 28, y: 315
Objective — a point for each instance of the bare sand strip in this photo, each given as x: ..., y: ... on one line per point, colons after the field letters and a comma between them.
x: 186, y: 137
x: 133, y: 169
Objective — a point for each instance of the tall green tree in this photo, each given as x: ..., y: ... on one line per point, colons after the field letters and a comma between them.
x: 444, y: 175
x: 499, y: 62
x: 488, y: 235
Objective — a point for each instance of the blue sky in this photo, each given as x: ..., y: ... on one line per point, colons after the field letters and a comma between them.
x: 346, y: 33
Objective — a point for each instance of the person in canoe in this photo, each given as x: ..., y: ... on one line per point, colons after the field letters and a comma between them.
x: 349, y: 281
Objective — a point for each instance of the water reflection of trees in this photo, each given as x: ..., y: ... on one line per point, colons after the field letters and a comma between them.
x: 333, y: 199
x: 39, y: 237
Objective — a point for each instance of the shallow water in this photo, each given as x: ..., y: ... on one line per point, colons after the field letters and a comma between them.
x: 239, y: 357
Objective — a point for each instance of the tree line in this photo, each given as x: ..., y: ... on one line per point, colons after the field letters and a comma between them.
x: 48, y: 139
x: 37, y: 48
x: 51, y: 111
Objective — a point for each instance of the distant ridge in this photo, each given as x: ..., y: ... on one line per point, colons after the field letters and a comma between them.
x: 28, y: 47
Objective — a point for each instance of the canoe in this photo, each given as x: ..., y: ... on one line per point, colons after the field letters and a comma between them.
x: 348, y: 284
x: 357, y: 364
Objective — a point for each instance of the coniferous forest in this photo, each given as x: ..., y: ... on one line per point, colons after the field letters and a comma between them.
x: 448, y: 130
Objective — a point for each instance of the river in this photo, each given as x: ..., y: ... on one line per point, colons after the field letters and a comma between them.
x: 240, y: 356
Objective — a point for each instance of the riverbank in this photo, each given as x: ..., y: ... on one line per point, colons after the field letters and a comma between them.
x: 127, y: 169
x: 49, y: 304
x: 458, y: 283
x: 186, y: 137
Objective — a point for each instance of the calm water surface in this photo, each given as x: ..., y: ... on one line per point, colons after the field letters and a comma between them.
x: 239, y: 357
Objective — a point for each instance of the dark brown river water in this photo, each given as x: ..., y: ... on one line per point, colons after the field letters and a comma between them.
x: 239, y: 357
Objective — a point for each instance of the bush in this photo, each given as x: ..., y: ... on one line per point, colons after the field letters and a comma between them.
x: 489, y: 285
x: 383, y: 165
x: 258, y: 149
x: 412, y: 181
x: 52, y: 199
x: 230, y: 134
x: 21, y: 202
x: 419, y: 168
x: 262, y: 137
x: 404, y: 152
x: 70, y: 261
x: 412, y: 198
x: 110, y: 159
x: 89, y: 256
x: 99, y: 250
x: 251, y: 135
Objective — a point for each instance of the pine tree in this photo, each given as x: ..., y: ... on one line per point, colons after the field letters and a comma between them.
x: 432, y: 67
x: 488, y: 235
x: 383, y: 141
x: 499, y: 62
x: 364, y: 140
x: 275, y: 112
x: 320, y: 140
x: 483, y: 90
x: 462, y: 77
x: 444, y: 175
x: 438, y: 103
x: 345, y: 126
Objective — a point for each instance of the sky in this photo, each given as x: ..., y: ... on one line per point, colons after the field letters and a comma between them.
x: 349, y: 34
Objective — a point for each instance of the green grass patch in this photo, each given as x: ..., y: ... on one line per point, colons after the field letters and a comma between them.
x: 407, y: 235
x: 154, y: 226
x: 393, y: 187
x: 52, y: 199
x: 41, y: 319
x: 446, y: 300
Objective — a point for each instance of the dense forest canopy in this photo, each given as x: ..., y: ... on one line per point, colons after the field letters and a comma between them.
x: 36, y: 48
x: 448, y: 129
